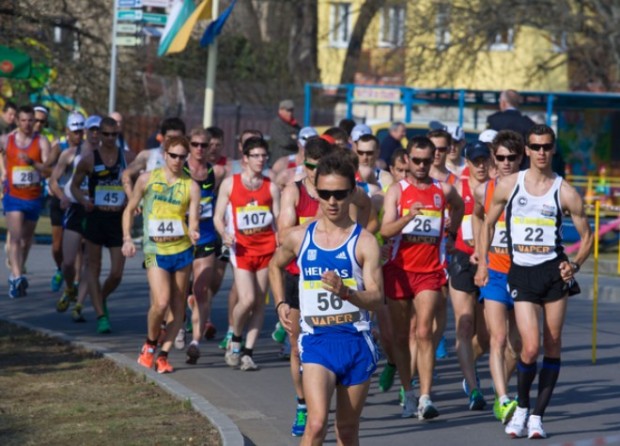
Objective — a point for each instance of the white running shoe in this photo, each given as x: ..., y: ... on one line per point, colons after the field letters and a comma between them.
x: 517, y: 428
x: 535, y: 428
x: 232, y: 357
x: 426, y: 410
x: 248, y: 364
x: 410, y: 405
x: 179, y: 341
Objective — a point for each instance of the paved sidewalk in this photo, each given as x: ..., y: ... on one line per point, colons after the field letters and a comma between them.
x: 585, y: 406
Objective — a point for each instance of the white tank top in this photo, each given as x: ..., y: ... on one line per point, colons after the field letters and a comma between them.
x: 84, y: 185
x: 155, y: 159
x: 534, y: 224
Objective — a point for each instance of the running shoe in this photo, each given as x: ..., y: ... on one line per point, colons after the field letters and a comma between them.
x: 231, y: 357
x: 147, y: 356
x: 224, y: 342
x: 13, y: 290
x: 497, y: 407
x: 476, y: 400
x: 410, y: 405
x: 279, y: 334
x: 162, y: 365
x: 22, y: 285
x: 299, y: 425
x: 105, y: 308
x: 442, y: 349
x: 247, y: 364
x: 65, y: 300
x: 466, y: 388
x: 103, y: 325
x: 57, y: 280
x: 507, y: 410
x: 210, y: 330
x: 193, y: 353
x: 76, y: 313
x: 517, y: 428
x: 426, y: 410
x: 535, y: 428
x: 179, y: 341
x: 401, y: 396
x: 386, y: 380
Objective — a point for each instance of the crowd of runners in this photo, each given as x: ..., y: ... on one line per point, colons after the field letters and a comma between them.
x: 357, y: 250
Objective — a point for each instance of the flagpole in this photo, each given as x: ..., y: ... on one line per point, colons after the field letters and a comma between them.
x: 112, y: 92
x: 207, y: 119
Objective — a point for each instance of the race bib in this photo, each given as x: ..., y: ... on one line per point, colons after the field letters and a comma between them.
x: 253, y: 217
x: 500, y: 238
x: 533, y: 235
x: 206, y: 208
x: 109, y: 196
x: 166, y: 228
x: 426, y: 224
x: 25, y: 176
x: 467, y: 230
x: 323, y: 308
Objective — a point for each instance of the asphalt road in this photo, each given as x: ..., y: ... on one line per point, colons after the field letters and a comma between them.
x: 585, y: 406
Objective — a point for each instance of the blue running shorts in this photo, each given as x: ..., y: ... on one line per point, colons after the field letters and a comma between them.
x: 497, y: 290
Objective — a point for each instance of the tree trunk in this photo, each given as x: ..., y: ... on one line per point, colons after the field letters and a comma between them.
x: 302, y: 50
x: 367, y: 12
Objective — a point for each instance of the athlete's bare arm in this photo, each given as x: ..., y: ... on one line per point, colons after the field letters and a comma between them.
x: 129, y: 249
x: 63, y: 161
x: 194, y: 212
x: 83, y: 169
x: 223, y: 198
x: 133, y: 170
x: 289, y: 246
x: 288, y: 215
x: 480, y: 236
x: 220, y: 174
x: 455, y: 205
x: 54, y: 153
x: 275, y: 206
x: 573, y: 204
x: 362, y: 210
x: 498, y: 202
x: 2, y: 158
x: 392, y: 224
x: 43, y: 167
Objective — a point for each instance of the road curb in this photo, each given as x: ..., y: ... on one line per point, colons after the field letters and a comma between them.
x: 229, y: 432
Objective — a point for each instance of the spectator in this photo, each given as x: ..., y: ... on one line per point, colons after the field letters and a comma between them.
x: 509, y: 118
x: 7, y: 118
x: 392, y: 142
x: 347, y: 125
x: 283, y: 131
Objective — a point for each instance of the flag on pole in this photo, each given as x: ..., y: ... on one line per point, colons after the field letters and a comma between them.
x: 179, y: 13
x: 215, y: 27
x: 202, y: 12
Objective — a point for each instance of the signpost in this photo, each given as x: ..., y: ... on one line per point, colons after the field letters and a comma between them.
x: 158, y: 19
x: 128, y: 41
x: 127, y: 28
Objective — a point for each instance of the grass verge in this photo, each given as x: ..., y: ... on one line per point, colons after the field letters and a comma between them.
x: 56, y: 394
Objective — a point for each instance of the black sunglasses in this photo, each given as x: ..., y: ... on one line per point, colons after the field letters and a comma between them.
x: 365, y: 152
x: 175, y: 156
x: 502, y: 158
x: 442, y: 149
x: 425, y: 161
x: 338, y: 194
x: 310, y: 166
x: 202, y: 145
x: 41, y: 121
x: 110, y: 134
x: 536, y: 147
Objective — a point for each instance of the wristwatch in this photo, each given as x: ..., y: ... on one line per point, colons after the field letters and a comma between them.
x: 575, y: 266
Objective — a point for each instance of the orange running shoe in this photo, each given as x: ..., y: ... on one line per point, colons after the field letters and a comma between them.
x: 162, y: 365
x: 147, y: 356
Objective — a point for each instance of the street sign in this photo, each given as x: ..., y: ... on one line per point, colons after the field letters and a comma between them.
x: 158, y: 19
x: 129, y: 15
x: 156, y: 3
x: 127, y: 28
x: 128, y: 41
x: 130, y: 3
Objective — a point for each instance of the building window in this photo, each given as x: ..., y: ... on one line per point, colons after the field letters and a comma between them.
x: 392, y: 26
x: 339, y: 24
x: 442, y: 26
x: 503, y: 41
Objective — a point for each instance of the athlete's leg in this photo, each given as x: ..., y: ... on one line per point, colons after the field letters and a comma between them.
x: 496, y: 316
x: 385, y: 332
x: 160, y: 284
x: 179, y: 282
x: 71, y: 247
x: 401, y: 312
x: 93, y: 263
x: 319, y: 384
x: 203, y: 269
x: 526, y: 314
x: 513, y: 346
x: 439, y: 324
x: 349, y: 404
x: 463, y: 305
x: 426, y: 303
x: 117, y: 264
x: 480, y: 341
x: 295, y: 362
x: 27, y: 239
x: 257, y: 316
x: 15, y: 223
x: 57, y: 245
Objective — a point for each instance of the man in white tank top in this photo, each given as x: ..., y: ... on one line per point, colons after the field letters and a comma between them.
x: 540, y: 274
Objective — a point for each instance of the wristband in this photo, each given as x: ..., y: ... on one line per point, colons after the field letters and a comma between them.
x: 278, y: 306
x: 575, y: 266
